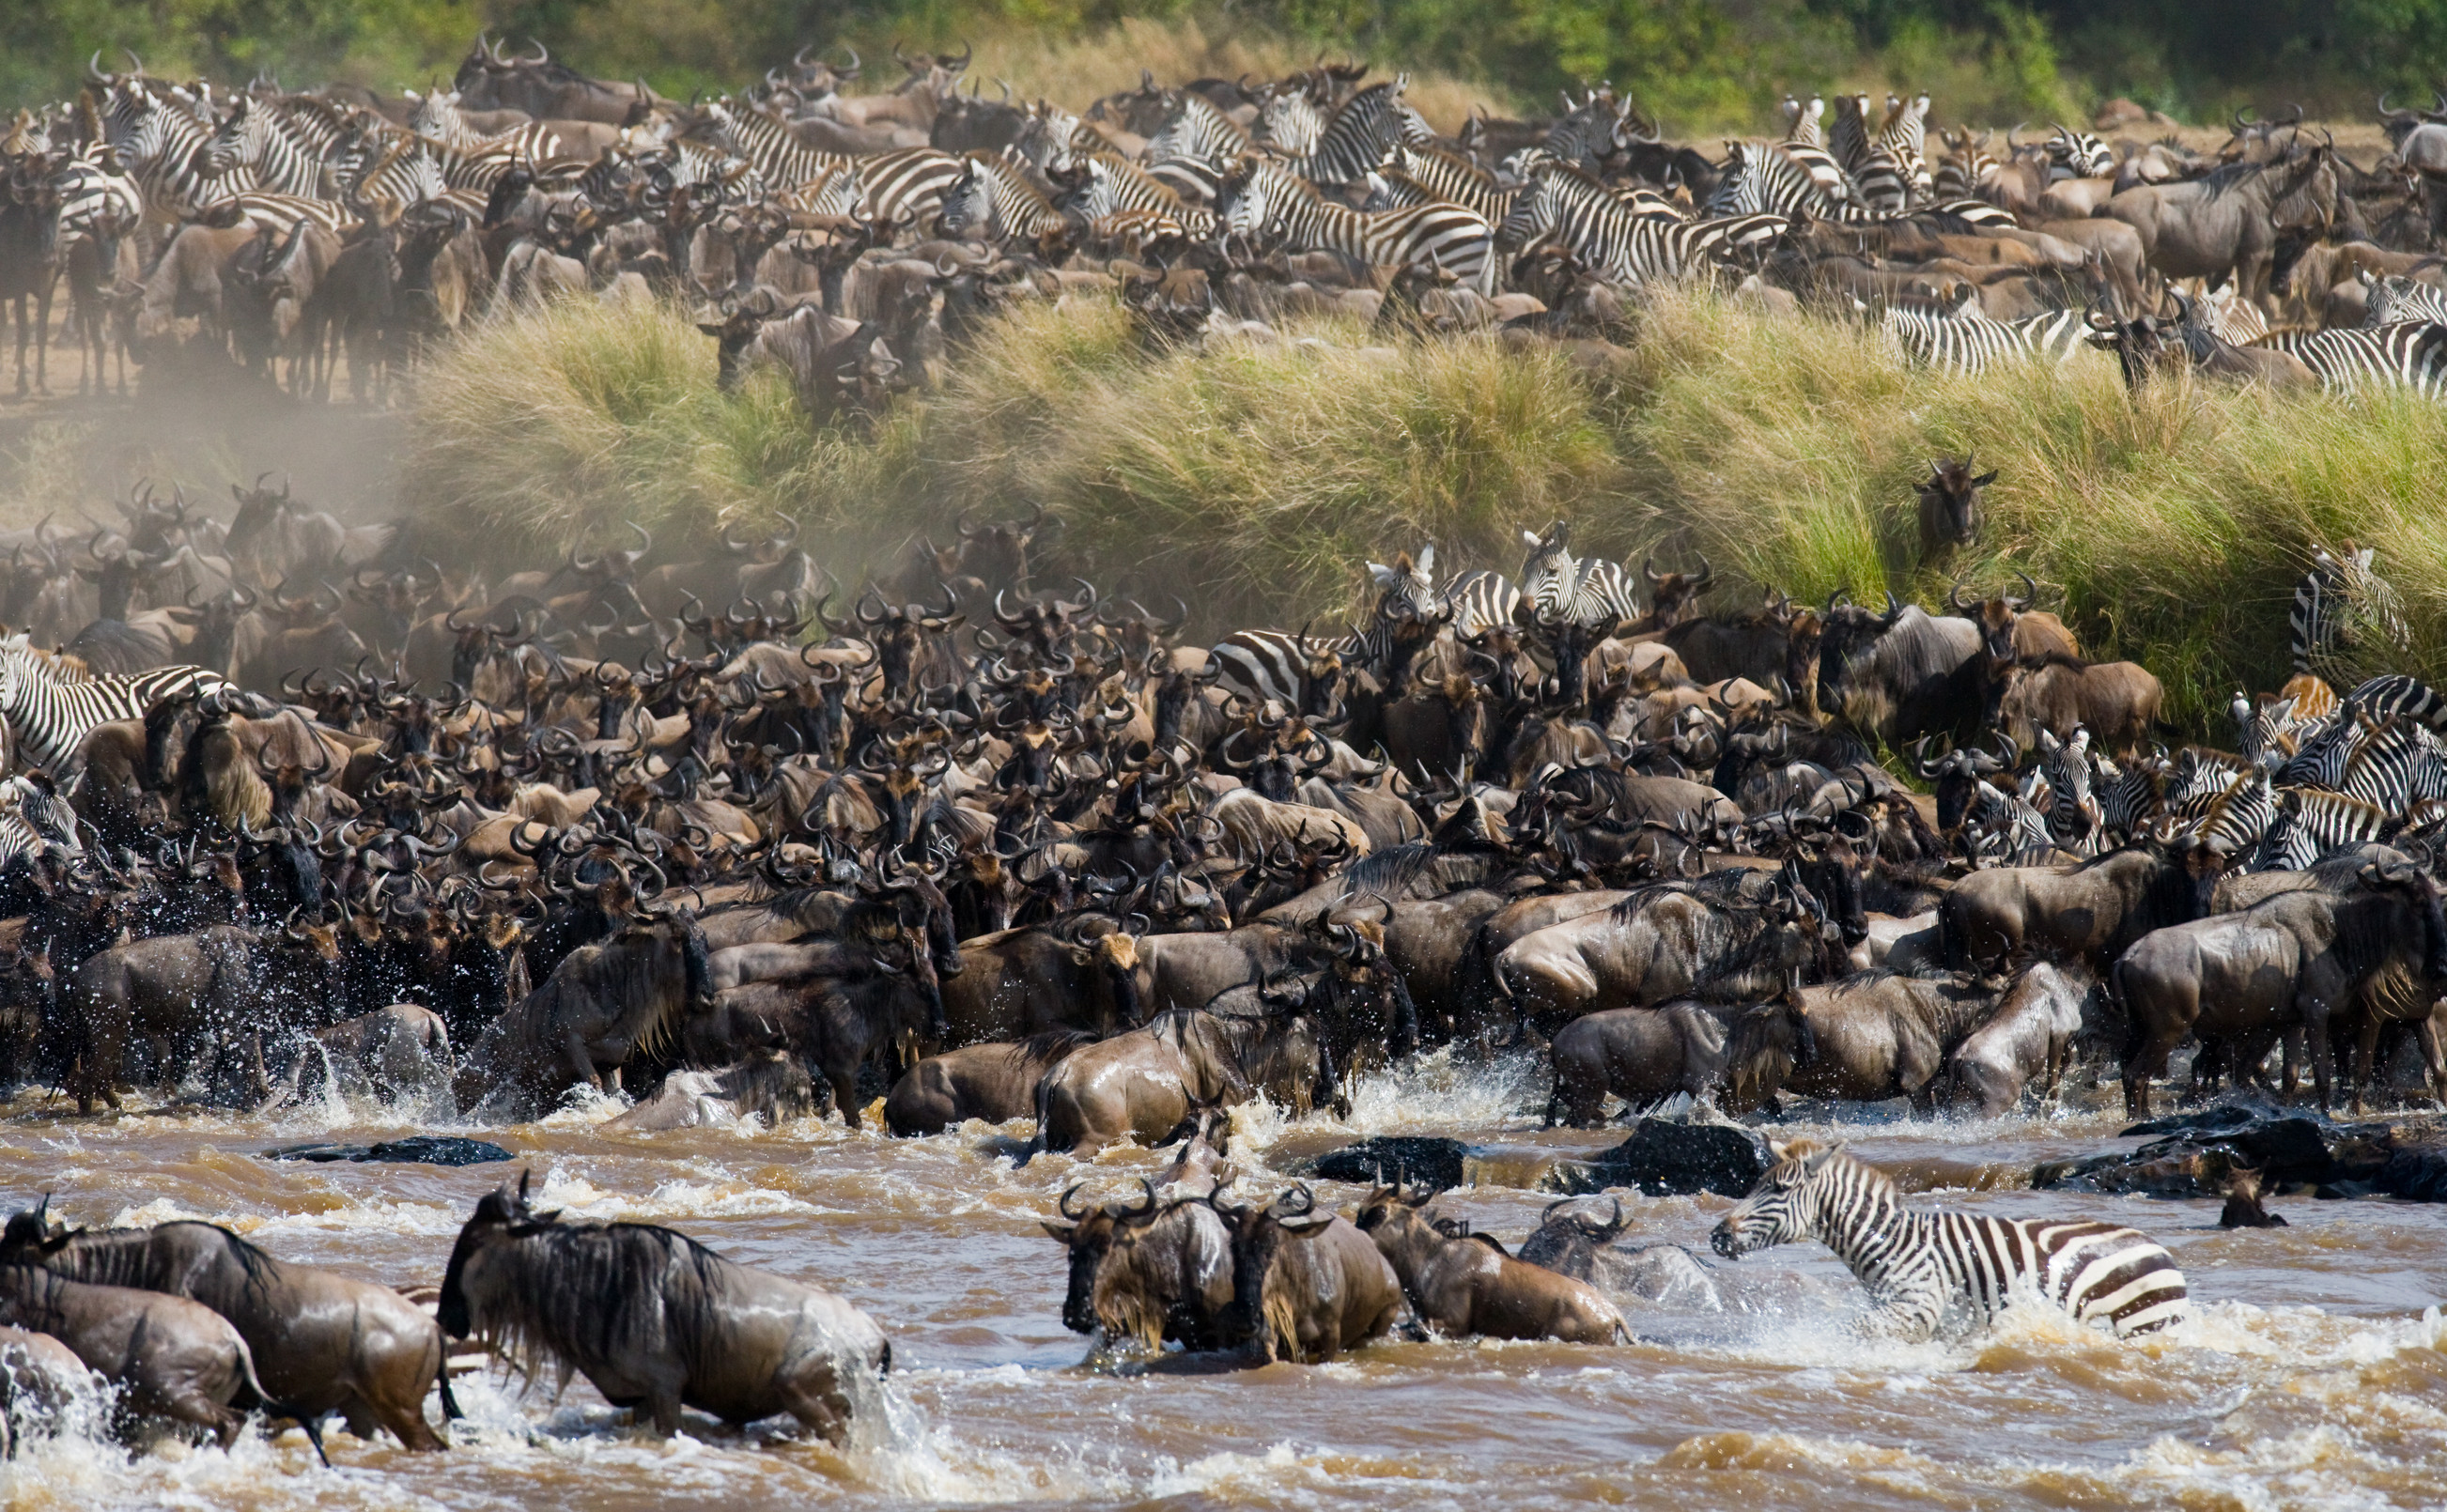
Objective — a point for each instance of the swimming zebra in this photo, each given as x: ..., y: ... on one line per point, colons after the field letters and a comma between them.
x: 1268, y: 200
x: 2005, y: 829
x: 1965, y: 341
x: 50, y: 707
x: 2345, y: 615
x: 1930, y: 1271
x: 2409, y: 354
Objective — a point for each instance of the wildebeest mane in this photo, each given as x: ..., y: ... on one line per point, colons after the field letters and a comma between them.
x: 1718, y: 889
x: 587, y: 1293
x: 1049, y: 1045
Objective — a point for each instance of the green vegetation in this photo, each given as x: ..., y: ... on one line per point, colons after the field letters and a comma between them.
x: 1254, y: 477
x: 1701, y: 68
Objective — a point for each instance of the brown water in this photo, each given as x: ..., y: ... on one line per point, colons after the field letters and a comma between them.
x: 2314, y: 1375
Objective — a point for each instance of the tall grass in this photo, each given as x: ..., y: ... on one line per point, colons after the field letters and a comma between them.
x: 1253, y: 478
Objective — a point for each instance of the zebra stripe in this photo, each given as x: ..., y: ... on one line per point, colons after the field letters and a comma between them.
x: 2006, y: 830
x: 161, y: 140
x: 906, y: 187
x: 993, y: 202
x: 2394, y: 694
x: 1848, y: 138
x: 2076, y: 821
x: 1479, y: 601
x: 1803, y: 125
x: 1116, y: 186
x: 1965, y: 341
x: 1198, y: 132
x: 1439, y: 175
x: 2397, y: 763
x: 765, y: 140
x: 1261, y: 664
x: 1928, y: 1271
x: 2409, y: 354
x: 2233, y: 823
x: 1616, y: 242
x: 2078, y: 155
x: 1270, y: 202
x: 2310, y: 826
x: 2345, y: 612
x: 1759, y: 178
x: 1356, y: 140
x: 49, y: 711
x: 258, y: 142
x: 34, y: 819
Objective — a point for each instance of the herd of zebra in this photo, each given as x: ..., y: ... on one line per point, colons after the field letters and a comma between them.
x: 855, y: 237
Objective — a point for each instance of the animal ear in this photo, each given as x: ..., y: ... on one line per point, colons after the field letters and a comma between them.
x: 1385, y: 577
x: 1985, y: 479
x: 1819, y: 1158
x: 1305, y: 1223
x: 1060, y: 1231
x: 1776, y: 1150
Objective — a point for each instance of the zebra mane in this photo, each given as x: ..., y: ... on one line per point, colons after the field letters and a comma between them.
x: 57, y: 665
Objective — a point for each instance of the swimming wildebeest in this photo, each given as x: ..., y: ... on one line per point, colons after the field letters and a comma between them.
x: 655, y: 1320
x: 1466, y: 1284
x: 1306, y: 1285
x: 323, y: 1343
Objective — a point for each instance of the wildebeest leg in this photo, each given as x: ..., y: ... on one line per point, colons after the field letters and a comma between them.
x: 844, y: 1086
x: 662, y: 1405
x: 815, y: 1398
x: 2290, y: 1060
x: 2324, y: 1056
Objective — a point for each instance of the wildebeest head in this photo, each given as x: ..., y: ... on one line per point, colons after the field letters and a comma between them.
x: 1088, y: 1236
x: 32, y: 1234
x: 1949, y: 503
x: 1674, y: 597
x: 1261, y: 1306
x: 1568, y: 1234
x: 1767, y: 1042
x: 1152, y: 1252
x: 501, y: 1213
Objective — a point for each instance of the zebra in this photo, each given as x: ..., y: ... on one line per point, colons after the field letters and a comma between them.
x: 1962, y: 340
x: 162, y: 143
x: 50, y: 708
x: 2197, y: 777
x: 2410, y: 355
x: 2395, y: 299
x: 1761, y: 179
x: 1905, y: 138
x: 1352, y: 142
x: 2232, y: 823
x: 762, y: 138
x: 2345, y: 612
x: 1966, y: 165
x: 2312, y: 826
x: 2011, y: 831
x: 33, y: 818
x: 2131, y: 797
x: 2077, y: 821
x: 1848, y: 138
x: 2395, y: 693
x: 1268, y: 200
x: 258, y: 142
x: 1117, y: 186
x: 1928, y: 1271
x: 436, y: 116
x: 2078, y: 155
x: 1804, y: 124
x: 2399, y: 763
x: 1440, y: 175
x: 994, y: 202
x: 1560, y: 587
x: 906, y: 187
x: 1198, y: 132
x: 1616, y: 242
x: 1479, y: 601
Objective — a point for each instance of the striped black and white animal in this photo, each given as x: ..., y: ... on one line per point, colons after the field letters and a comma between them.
x: 2346, y: 616
x: 1952, y: 1272
x: 33, y: 818
x: 2395, y: 298
x: 1269, y: 201
x: 1618, y: 241
x: 2409, y: 354
x: 51, y: 708
x: 1963, y: 340
x: 1480, y: 601
x: 2312, y: 826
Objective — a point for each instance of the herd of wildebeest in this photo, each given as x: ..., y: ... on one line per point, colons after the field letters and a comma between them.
x: 304, y: 814
x: 854, y: 241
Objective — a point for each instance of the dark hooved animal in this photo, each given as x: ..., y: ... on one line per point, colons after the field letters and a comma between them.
x: 1465, y: 1284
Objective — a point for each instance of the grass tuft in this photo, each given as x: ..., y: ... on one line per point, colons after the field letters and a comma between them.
x: 1253, y: 478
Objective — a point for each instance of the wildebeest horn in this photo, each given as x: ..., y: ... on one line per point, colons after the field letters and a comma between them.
x: 2030, y: 593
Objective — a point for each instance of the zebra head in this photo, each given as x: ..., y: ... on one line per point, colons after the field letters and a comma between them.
x: 1409, y: 587
x: 1784, y: 1207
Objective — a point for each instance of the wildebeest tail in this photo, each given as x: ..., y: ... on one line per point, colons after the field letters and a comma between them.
x: 310, y: 1422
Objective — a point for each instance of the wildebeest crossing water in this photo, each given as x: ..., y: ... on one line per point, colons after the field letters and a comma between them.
x: 2307, y: 1376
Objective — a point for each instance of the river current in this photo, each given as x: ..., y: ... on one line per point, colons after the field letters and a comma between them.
x: 2312, y: 1375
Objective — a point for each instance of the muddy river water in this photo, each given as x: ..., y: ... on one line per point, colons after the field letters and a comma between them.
x: 2313, y: 1375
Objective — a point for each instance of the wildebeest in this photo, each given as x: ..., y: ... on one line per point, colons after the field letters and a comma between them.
x: 40, y: 1380
x: 2117, y: 702
x: 767, y: 1084
x: 1571, y: 1241
x: 394, y: 1053
x: 655, y: 1320
x: 1734, y: 936
x: 1167, y: 1273
x: 2088, y: 912
x: 1872, y: 1037
x: 323, y: 1342
x: 1949, y: 505
x: 2025, y: 1041
x: 189, y: 992
x: 1140, y: 1084
x: 603, y: 1002
x: 2297, y: 959
x: 175, y: 1359
x: 1643, y: 1055
x: 2227, y: 223
x: 1307, y: 1286
x: 995, y: 1083
x: 1900, y: 675
x: 2242, y: 1203
x: 1464, y: 1284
